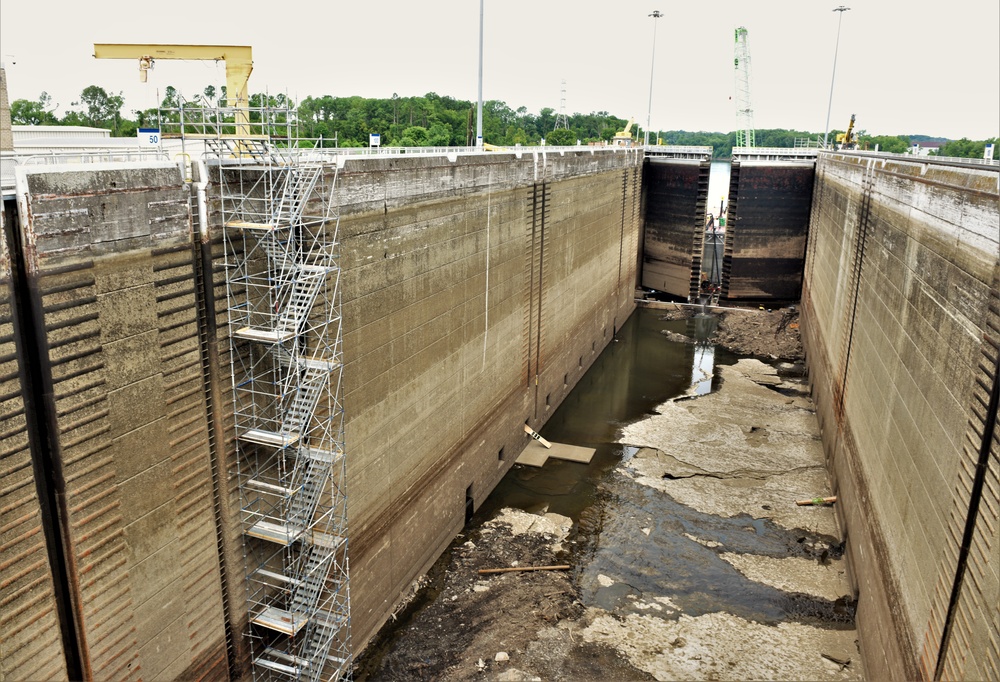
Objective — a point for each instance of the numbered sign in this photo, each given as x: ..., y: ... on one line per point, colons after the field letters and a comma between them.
x: 148, y: 137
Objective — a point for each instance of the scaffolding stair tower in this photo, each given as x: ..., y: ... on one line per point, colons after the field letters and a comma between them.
x: 283, y: 298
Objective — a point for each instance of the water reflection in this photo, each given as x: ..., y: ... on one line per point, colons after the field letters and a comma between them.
x: 703, y: 365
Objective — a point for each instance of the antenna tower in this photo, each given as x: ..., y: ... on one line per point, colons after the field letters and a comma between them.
x: 561, y: 121
x: 744, y: 112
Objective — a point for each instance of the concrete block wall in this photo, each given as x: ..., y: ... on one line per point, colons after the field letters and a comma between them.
x: 899, y: 320
x: 111, y: 279
x: 476, y: 293
x: 30, y: 639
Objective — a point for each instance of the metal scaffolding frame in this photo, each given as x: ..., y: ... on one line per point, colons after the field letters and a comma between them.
x: 281, y: 218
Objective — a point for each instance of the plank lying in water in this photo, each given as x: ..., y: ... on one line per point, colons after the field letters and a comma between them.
x: 535, y: 454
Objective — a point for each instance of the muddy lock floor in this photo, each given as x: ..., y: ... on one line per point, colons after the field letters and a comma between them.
x: 679, y: 571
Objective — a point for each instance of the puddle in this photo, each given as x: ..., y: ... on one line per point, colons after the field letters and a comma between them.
x: 643, y: 542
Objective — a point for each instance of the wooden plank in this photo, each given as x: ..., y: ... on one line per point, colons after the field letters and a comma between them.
x: 534, y: 434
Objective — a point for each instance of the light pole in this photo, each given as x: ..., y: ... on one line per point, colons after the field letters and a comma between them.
x: 840, y: 20
x: 479, y: 108
x: 656, y: 15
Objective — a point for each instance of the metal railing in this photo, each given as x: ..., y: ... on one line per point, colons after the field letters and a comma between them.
x: 11, y: 160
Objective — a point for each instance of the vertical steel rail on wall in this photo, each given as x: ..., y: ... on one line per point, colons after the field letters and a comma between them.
x: 281, y: 220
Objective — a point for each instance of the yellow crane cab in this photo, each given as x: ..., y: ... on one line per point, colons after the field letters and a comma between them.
x: 623, y: 138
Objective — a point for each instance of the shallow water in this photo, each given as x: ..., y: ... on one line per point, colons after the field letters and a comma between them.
x: 629, y: 546
x: 637, y: 371
x: 634, y: 535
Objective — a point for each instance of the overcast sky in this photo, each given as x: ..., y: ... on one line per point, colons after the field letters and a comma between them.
x: 903, y: 67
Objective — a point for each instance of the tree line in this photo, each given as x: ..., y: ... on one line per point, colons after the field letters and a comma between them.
x: 432, y: 120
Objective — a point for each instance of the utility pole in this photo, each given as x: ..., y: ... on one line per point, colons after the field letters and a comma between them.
x: 561, y: 120
x: 836, y: 49
x: 656, y: 15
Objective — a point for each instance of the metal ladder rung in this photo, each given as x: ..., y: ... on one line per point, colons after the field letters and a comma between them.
x: 274, y: 532
x: 280, y: 620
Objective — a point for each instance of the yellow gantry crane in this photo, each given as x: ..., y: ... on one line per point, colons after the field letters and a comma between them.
x: 238, y: 59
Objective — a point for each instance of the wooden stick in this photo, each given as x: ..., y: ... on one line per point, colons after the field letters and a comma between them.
x: 531, y: 432
x: 816, y: 501
x: 561, y: 567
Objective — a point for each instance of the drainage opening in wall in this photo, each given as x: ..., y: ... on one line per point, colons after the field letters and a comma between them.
x: 470, y: 506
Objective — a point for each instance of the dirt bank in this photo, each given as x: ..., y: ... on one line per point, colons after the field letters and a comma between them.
x: 772, y: 334
x: 507, y: 626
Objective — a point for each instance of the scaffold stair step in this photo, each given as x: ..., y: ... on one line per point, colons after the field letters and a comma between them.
x: 264, y: 335
x: 318, y: 363
x: 271, y: 653
x: 318, y: 455
x: 325, y: 540
x: 279, y: 620
x: 269, y: 487
x: 277, y: 667
x: 281, y: 578
x: 274, y: 532
x: 263, y: 437
x: 247, y: 225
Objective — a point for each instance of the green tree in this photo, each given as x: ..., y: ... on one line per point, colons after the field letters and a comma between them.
x: 969, y: 149
x: 28, y: 113
x: 892, y: 144
x: 414, y: 136
x: 102, y: 110
x: 561, y: 137
x: 439, y: 135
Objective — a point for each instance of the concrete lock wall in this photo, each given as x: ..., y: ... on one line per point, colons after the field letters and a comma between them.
x: 30, y: 643
x: 110, y: 286
x: 676, y: 194
x: 476, y: 293
x: 901, y: 322
x: 769, y: 206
